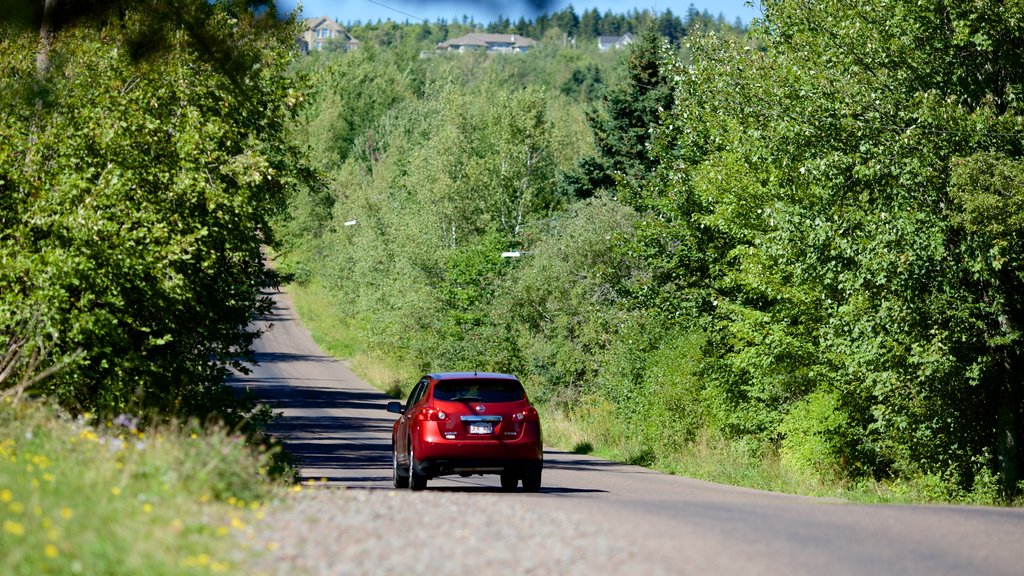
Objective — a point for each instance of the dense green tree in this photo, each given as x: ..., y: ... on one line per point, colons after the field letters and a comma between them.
x: 139, y: 167
x: 629, y: 107
x: 832, y: 182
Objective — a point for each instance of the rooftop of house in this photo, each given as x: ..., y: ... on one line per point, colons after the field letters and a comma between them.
x: 483, y: 40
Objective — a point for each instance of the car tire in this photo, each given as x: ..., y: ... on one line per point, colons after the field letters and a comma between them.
x: 531, y: 478
x: 400, y: 480
x: 417, y: 480
x: 509, y: 481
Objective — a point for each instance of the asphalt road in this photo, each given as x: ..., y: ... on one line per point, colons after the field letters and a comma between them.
x: 338, y: 428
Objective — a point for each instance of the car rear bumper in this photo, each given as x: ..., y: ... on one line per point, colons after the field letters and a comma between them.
x: 443, y: 466
x: 437, y: 456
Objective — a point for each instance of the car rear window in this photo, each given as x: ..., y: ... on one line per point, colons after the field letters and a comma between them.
x: 478, y: 390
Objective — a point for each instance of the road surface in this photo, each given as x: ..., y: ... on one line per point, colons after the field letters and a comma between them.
x: 614, y: 518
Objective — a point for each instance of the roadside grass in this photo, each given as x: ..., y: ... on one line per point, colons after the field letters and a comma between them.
x: 331, y: 329
x: 592, y: 429
x: 79, y: 496
x: 715, y: 459
x: 338, y: 335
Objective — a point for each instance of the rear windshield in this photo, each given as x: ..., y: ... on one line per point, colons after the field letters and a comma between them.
x: 478, y: 390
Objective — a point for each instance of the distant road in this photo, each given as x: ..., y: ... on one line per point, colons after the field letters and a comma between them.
x: 337, y: 426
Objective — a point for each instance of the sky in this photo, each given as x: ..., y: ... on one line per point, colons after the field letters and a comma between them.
x: 483, y: 11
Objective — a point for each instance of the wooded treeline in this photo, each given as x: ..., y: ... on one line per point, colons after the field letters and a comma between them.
x: 561, y: 25
x: 805, y: 243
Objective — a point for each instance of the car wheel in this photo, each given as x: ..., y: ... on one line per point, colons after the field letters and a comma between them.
x: 509, y: 481
x: 417, y: 480
x: 400, y: 480
x: 531, y: 478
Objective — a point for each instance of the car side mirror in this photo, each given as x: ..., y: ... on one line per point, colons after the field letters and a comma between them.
x: 396, y: 407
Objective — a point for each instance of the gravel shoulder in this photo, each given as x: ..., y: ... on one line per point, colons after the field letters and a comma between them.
x: 335, y: 531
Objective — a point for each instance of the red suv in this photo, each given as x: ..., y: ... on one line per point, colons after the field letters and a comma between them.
x: 467, y: 423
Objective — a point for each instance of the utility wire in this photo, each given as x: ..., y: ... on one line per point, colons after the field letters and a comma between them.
x: 396, y: 10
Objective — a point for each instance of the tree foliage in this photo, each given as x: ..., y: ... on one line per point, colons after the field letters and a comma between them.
x: 834, y: 184
x: 136, y: 188
x: 803, y: 243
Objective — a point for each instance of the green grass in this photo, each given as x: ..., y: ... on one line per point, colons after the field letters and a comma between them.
x: 85, y: 497
x: 338, y: 335
x: 334, y: 332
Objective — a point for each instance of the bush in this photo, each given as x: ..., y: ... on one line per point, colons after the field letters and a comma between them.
x: 111, y: 498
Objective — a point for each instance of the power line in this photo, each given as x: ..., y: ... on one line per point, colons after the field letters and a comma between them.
x: 396, y: 10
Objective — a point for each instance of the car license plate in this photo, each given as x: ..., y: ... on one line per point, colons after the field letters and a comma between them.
x: 481, y: 428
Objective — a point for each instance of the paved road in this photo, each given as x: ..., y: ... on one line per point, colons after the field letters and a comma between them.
x: 644, y: 522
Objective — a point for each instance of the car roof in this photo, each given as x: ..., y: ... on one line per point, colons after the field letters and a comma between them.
x: 471, y: 375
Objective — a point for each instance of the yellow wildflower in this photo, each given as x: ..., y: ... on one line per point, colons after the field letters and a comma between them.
x: 66, y: 513
x: 116, y: 491
x: 237, y: 524
x: 13, y: 528
x: 6, y: 495
x: 50, y: 550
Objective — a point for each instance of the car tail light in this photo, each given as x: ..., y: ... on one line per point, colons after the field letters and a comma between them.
x: 432, y: 414
x: 528, y: 415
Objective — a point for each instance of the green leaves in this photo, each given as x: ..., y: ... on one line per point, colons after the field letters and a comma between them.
x: 839, y: 190
x: 140, y: 192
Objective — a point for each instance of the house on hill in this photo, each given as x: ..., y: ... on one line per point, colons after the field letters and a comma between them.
x: 491, y: 43
x: 319, y: 31
x: 605, y: 43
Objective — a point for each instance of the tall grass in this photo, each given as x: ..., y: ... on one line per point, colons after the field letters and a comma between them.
x: 79, y: 496
x: 338, y: 335
x: 331, y: 329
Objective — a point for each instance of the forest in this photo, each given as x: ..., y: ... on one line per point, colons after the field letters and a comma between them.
x: 800, y: 242
x: 797, y: 241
